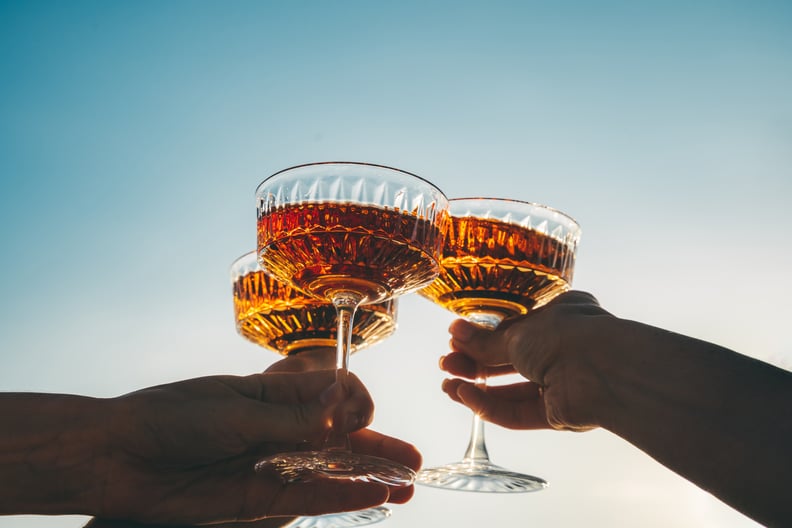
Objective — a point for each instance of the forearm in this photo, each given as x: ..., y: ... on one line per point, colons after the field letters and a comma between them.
x: 717, y: 418
x: 51, y: 450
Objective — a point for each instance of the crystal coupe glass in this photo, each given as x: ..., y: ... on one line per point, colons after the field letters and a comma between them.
x: 501, y: 258
x: 350, y: 234
x: 279, y: 318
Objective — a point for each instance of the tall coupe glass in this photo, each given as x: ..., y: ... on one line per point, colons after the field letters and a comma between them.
x: 351, y: 234
x: 277, y: 317
x: 500, y: 258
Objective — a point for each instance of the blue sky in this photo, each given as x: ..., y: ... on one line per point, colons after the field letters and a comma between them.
x: 133, y: 135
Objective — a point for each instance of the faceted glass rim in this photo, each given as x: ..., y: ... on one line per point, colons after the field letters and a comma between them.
x: 244, y: 264
x: 572, y: 224
x: 351, y: 164
x: 249, y: 263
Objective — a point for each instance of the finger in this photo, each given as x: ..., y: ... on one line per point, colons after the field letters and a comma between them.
x: 485, y: 346
x: 458, y: 364
x: 514, y: 392
x: 279, y: 385
x: 373, y: 443
x: 451, y: 386
x: 289, y: 415
x: 401, y: 495
x: 326, y: 385
x: 322, y: 496
x: 290, y: 387
x: 491, y: 347
x: 354, y: 408
x: 515, y: 407
x: 515, y: 414
x: 376, y: 444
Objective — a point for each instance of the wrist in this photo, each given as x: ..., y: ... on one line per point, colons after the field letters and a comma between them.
x: 52, y: 451
x: 592, y: 371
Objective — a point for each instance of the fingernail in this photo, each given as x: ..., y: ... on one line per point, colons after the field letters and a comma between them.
x: 441, y: 361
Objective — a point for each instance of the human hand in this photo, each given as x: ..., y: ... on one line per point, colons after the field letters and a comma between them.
x: 183, y: 453
x: 324, y: 358
x: 556, y: 347
x: 364, y: 441
x: 706, y: 412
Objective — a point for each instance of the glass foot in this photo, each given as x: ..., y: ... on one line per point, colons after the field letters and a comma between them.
x: 302, y: 465
x: 481, y: 476
x: 342, y: 520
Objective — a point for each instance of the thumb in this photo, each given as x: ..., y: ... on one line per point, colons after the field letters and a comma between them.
x: 337, y: 408
x: 291, y: 422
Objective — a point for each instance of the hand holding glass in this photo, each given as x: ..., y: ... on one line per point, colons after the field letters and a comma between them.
x: 280, y: 318
x: 351, y: 234
x: 500, y: 258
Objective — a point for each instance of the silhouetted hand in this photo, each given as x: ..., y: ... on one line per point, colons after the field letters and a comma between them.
x: 552, y: 347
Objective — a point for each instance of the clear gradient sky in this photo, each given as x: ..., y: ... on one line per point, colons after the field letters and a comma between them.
x: 133, y: 135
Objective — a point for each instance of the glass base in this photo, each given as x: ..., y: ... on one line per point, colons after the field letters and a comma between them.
x: 342, y: 520
x: 480, y: 476
x: 302, y: 465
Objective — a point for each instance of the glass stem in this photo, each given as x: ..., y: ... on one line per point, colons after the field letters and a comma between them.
x: 346, y: 304
x: 477, y: 446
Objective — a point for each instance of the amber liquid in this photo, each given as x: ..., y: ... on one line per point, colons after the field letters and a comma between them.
x: 327, y: 247
x: 273, y: 315
x: 500, y: 268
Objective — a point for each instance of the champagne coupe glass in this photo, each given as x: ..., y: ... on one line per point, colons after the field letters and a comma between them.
x: 501, y: 258
x: 279, y: 318
x: 351, y: 234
